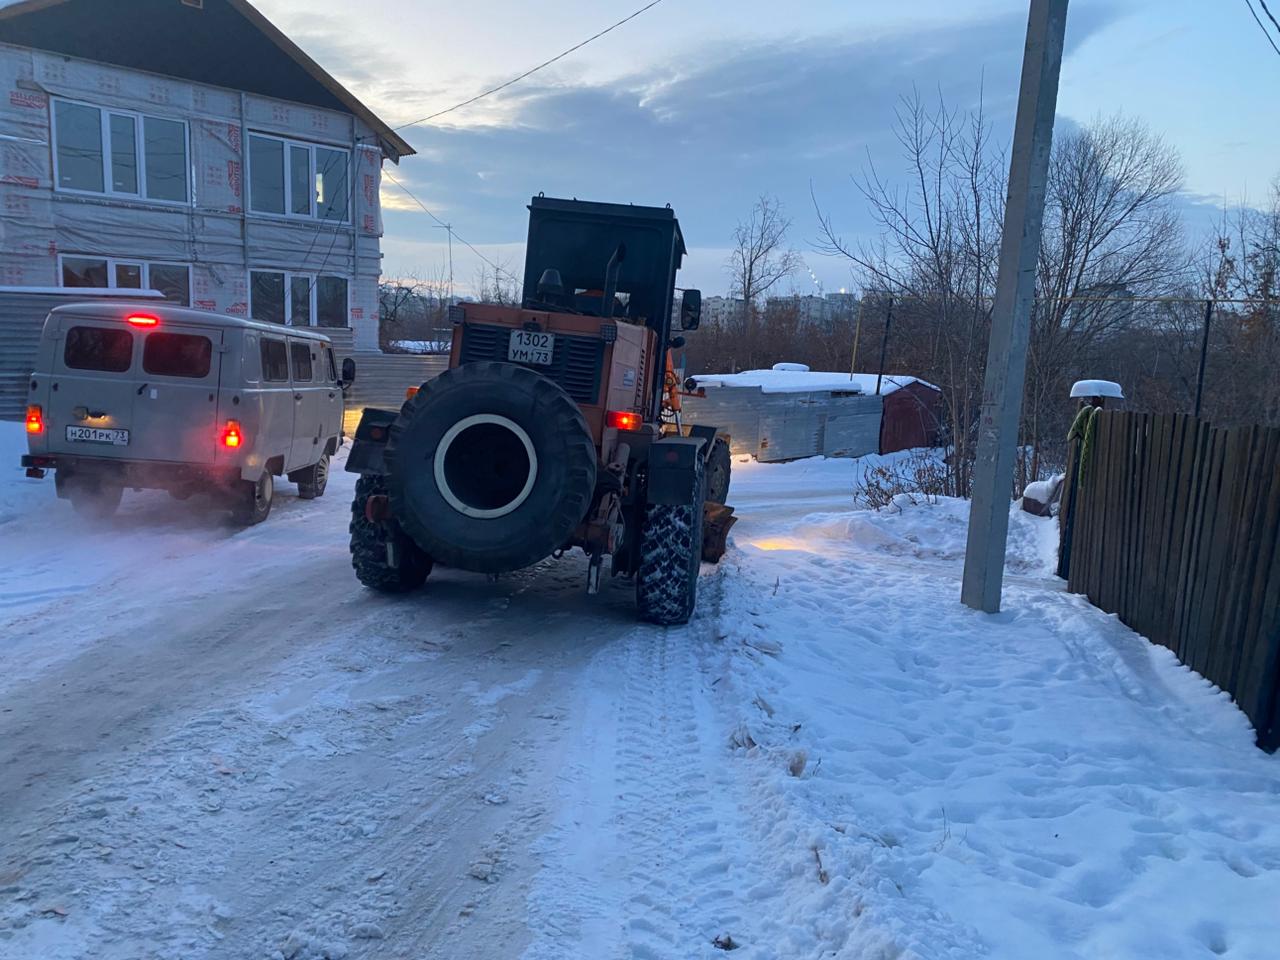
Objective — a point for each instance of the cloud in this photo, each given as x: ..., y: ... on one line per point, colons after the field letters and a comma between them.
x: 710, y: 134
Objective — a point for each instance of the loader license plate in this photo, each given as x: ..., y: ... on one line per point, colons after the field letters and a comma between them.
x: 119, y: 438
x: 530, y: 346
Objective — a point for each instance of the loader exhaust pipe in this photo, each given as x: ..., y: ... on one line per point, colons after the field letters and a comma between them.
x: 485, y: 466
x: 611, y: 279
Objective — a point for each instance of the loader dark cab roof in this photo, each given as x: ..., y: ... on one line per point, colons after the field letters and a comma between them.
x: 577, y: 237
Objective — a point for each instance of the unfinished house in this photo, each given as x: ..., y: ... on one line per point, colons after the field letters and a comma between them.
x: 185, y: 146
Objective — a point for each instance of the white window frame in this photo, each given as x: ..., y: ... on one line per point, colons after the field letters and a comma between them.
x: 310, y: 147
x: 313, y: 285
x: 139, y: 146
x: 113, y: 262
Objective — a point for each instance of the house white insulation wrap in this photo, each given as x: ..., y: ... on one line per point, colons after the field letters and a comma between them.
x: 213, y: 233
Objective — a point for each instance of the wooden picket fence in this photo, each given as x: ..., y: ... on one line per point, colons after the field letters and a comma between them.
x: 1174, y: 526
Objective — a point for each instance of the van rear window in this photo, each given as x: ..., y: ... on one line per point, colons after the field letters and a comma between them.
x: 98, y: 348
x: 275, y: 361
x: 177, y: 355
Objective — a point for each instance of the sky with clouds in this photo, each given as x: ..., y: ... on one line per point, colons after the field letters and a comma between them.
x: 706, y: 104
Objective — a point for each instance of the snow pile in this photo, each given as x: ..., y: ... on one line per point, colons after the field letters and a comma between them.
x: 805, y: 381
x: 931, y: 782
x: 420, y: 346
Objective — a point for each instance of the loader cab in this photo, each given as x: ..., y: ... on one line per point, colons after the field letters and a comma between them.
x: 614, y: 261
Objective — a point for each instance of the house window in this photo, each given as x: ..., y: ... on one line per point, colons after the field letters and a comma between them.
x: 171, y: 279
x: 298, y: 299
x: 293, y: 179
x: 117, y: 153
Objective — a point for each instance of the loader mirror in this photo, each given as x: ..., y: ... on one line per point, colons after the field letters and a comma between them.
x: 348, y: 370
x: 691, y: 310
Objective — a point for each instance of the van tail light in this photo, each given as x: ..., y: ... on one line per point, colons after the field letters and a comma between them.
x: 411, y: 392
x: 623, y: 420
x: 142, y: 320
x: 231, y: 435
x: 35, y: 419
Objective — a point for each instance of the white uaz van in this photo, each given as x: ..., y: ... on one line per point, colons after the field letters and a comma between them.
x: 146, y: 396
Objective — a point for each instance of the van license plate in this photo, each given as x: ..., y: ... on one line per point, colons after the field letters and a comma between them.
x: 530, y: 346
x: 119, y: 438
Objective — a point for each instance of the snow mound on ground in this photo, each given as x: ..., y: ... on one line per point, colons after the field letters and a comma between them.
x: 914, y: 527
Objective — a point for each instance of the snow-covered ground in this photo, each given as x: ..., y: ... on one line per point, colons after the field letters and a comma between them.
x: 215, y: 744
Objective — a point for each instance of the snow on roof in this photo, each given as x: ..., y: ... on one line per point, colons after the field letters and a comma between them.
x: 805, y: 381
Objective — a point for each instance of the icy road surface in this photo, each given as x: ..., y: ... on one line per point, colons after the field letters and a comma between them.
x: 215, y: 744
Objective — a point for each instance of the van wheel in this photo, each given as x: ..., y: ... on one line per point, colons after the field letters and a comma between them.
x: 251, y: 500
x: 92, y: 499
x: 312, y: 481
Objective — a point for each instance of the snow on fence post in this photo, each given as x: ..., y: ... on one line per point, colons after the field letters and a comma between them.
x: 1175, y: 527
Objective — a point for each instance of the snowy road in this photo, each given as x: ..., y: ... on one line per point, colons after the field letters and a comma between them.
x: 214, y: 744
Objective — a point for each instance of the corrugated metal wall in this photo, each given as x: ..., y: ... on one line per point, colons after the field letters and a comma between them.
x: 382, y: 378
x: 787, y: 426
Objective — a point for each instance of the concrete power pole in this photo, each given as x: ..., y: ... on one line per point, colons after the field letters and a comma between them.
x: 1011, y: 312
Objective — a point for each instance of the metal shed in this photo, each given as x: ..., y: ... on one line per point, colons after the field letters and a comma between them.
x: 790, y: 412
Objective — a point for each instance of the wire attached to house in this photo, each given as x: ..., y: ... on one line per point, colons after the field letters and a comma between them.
x: 530, y: 72
x: 1262, y: 26
x: 410, y: 194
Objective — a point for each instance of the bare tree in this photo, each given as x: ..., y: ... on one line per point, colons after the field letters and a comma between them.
x: 936, y: 257
x: 1110, y: 234
x: 758, y: 261
x: 495, y: 283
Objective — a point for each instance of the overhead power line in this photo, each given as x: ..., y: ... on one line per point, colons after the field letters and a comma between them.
x: 1267, y: 11
x: 1262, y: 26
x: 531, y: 70
x: 410, y: 194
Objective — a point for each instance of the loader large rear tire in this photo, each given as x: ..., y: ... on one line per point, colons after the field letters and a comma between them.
x: 670, y: 558
x: 719, y: 468
x: 490, y: 467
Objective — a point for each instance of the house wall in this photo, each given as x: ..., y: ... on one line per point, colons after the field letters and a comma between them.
x: 214, y: 233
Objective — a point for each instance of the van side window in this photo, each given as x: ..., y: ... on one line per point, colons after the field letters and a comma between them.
x: 98, y: 348
x: 301, y: 353
x: 333, y: 369
x: 275, y: 361
x: 177, y: 355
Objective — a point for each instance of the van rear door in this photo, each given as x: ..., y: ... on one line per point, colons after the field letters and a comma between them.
x: 92, y: 390
x: 175, y: 409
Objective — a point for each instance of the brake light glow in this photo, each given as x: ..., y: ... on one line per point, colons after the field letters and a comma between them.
x: 411, y: 392
x: 35, y: 419
x: 142, y: 320
x: 231, y: 436
x: 623, y: 420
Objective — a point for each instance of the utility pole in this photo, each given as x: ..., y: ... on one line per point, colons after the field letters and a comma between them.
x: 1011, y: 313
x: 1204, y: 353
x: 884, y: 344
x: 448, y: 228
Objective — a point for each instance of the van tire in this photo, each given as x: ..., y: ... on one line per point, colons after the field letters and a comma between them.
x: 251, y: 500
x: 312, y: 481
x: 670, y: 557
x: 369, y: 547
x: 93, y: 499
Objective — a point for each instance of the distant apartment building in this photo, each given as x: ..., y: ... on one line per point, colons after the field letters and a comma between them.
x: 188, y: 146
x: 722, y: 311
x: 814, y: 310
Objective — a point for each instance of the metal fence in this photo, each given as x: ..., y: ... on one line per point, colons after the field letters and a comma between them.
x: 1174, y: 526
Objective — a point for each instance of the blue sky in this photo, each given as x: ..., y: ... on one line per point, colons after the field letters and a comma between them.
x: 705, y: 104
